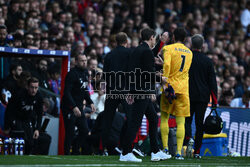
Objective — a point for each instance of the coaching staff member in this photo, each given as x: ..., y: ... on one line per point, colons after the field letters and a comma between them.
x: 75, y: 92
x: 202, y: 84
x: 115, y: 61
x: 24, y: 113
x: 142, y: 58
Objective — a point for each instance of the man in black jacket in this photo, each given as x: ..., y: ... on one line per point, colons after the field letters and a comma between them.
x: 142, y: 83
x: 115, y: 61
x: 24, y: 113
x: 202, y: 84
x: 75, y: 92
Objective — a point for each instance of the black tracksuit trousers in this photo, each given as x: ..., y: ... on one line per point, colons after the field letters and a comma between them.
x: 199, y: 109
x: 139, y: 108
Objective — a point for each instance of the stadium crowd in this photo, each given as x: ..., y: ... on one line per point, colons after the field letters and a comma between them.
x: 89, y: 27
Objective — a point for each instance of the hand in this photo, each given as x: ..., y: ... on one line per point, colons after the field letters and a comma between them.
x: 164, y: 37
x: 164, y: 81
x: 36, y: 134
x: 169, y: 93
x: 87, y: 115
x: 130, y: 99
x: 84, y: 104
x: 158, y: 60
x: 92, y: 108
x: 153, y: 98
x: 77, y: 112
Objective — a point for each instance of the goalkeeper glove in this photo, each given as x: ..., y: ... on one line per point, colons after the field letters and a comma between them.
x: 170, y: 93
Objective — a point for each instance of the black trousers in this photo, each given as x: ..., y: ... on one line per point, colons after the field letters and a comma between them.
x: 139, y: 108
x: 111, y: 104
x: 25, y: 130
x: 70, y: 121
x: 199, y: 109
x: 42, y: 144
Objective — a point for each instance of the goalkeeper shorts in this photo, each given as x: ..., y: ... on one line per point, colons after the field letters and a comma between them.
x: 179, y: 107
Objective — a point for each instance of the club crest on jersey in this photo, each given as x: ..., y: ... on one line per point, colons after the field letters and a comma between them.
x: 83, y: 84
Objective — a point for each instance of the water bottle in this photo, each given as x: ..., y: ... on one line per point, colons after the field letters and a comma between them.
x: 16, y: 146
x: 11, y: 146
x: 1, y: 146
x: 6, y: 146
x: 21, y: 148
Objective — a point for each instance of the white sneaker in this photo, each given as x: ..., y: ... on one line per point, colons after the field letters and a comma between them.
x: 130, y: 157
x: 159, y: 156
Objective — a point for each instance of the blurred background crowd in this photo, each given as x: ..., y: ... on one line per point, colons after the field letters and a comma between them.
x: 89, y: 27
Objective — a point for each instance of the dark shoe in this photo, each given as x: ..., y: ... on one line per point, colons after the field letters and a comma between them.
x: 118, y: 150
x: 137, y: 151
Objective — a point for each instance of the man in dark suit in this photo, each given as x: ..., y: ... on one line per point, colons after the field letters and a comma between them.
x: 141, y: 66
x: 202, y: 84
x: 115, y: 61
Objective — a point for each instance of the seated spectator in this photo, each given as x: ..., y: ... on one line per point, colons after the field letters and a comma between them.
x: 54, y: 81
x: 41, y: 73
x: 226, y: 98
x: 242, y: 102
x: 10, y: 83
x: 98, y: 98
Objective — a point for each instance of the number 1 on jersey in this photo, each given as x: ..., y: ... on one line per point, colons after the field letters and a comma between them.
x: 182, y: 63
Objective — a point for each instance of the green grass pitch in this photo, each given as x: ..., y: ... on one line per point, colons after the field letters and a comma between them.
x: 78, y: 161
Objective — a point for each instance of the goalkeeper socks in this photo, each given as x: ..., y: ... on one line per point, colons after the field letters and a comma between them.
x: 164, y: 129
x: 180, y: 133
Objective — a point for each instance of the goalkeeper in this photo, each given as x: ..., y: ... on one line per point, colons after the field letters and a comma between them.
x: 177, y: 61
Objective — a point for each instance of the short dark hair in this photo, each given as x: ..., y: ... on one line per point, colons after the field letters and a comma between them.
x: 147, y: 33
x: 121, y: 38
x: 32, y: 80
x: 197, y: 41
x: 180, y: 34
x: 14, y: 66
x: 79, y: 54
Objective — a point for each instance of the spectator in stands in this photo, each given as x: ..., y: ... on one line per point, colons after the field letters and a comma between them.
x: 247, y: 83
x: 41, y: 73
x: 226, y: 98
x: 245, y: 16
x: 11, y: 82
x: 98, y: 98
x: 92, y: 65
x: 241, y: 102
x: 54, y: 79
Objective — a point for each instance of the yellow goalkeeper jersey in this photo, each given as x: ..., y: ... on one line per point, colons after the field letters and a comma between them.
x: 177, y: 61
